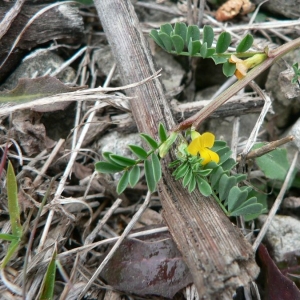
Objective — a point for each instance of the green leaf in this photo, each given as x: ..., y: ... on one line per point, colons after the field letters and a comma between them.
x: 49, y: 280
x: 155, y: 36
x: 251, y: 209
x: 210, y: 52
x: 205, y: 172
x: 181, y: 171
x: 10, y: 252
x: 138, y: 151
x: 236, y: 198
x: 226, y: 183
x: 123, y: 182
x: 187, y: 177
x: 9, y: 237
x: 274, y: 164
x: 223, y: 42
x: 208, y: 35
x: 192, y: 184
x: 193, y: 33
x: 194, y: 47
x: 150, y: 141
x: 166, y: 40
x: 228, y: 69
x: 156, y: 167
x: 151, y: 183
x: 178, y: 43
x: 219, y: 60
x: 215, y: 176
x: 203, y: 186
x: 162, y: 132
x: 123, y: 161
x: 181, y: 30
x: 134, y: 175
x: 174, y: 163
x: 13, y: 204
x: 166, y: 28
x: 218, y: 145
x: 106, y: 167
x: 245, y: 44
x: 203, y: 50
x: 240, y: 177
x: 228, y: 164
x: 106, y: 156
x: 224, y: 154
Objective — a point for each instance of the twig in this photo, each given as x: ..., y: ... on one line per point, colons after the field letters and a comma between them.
x: 267, y: 148
x: 69, y: 61
x: 235, y: 137
x: 30, y: 21
x: 46, y: 165
x: 9, y: 17
x: 128, y: 228
x: 90, y: 238
x: 69, y: 167
x: 276, y: 204
x: 267, y: 105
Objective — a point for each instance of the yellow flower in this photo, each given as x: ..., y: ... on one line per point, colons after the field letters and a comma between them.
x: 242, y: 66
x: 201, y: 144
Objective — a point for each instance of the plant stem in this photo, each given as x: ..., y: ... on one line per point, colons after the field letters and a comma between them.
x: 220, y: 203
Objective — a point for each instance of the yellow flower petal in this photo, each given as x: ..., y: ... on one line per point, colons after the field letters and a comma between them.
x: 194, y: 146
x: 207, y: 139
x: 208, y: 156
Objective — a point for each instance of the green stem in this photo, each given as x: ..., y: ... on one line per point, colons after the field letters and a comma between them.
x: 220, y: 203
x: 225, y: 54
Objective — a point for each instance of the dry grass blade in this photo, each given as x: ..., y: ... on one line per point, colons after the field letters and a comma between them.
x: 276, y: 204
x: 125, y: 233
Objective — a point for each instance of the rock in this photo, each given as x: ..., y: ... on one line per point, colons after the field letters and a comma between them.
x: 171, y: 75
x: 282, y: 235
x: 37, y: 64
x: 288, y: 8
x: 286, y: 109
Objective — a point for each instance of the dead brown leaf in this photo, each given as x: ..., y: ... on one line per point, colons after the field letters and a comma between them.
x: 31, y: 89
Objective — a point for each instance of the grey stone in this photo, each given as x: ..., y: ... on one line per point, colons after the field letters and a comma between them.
x: 37, y: 64
x: 282, y: 235
x: 284, y: 107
